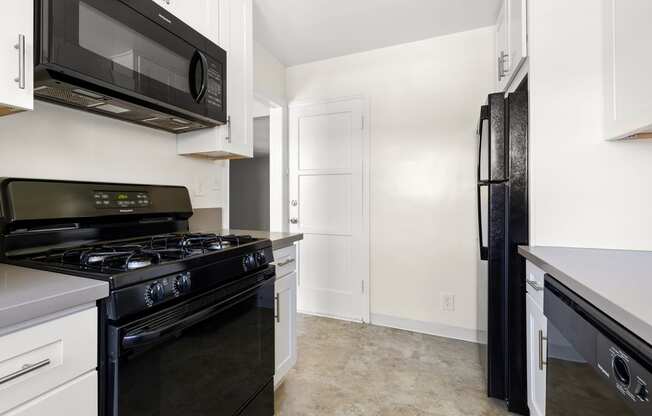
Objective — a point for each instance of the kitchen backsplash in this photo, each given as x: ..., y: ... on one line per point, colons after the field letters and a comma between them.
x: 60, y: 143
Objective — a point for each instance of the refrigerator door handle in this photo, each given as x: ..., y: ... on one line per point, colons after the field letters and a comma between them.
x: 484, y: 251
x: 484, y: 116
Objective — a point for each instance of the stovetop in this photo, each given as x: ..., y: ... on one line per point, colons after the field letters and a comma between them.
x: 126, y: 262
x: 127, y: 255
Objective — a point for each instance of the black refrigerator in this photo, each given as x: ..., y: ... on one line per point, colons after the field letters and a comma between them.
x: 503, y: 226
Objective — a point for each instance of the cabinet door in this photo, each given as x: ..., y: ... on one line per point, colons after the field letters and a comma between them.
x: 502, y: 49
x: 16, y: 56
x: 234, y: 140
x: 517, y: 34
x: 286, y: 334
x: 536, y: 356
x: 628, y: 89
x: 78, y: 397
x: 239, y: 100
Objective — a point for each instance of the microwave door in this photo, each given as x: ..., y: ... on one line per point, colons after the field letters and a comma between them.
x: 118, y: 50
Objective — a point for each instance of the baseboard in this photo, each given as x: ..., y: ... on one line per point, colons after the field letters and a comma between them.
x: 430, y: 328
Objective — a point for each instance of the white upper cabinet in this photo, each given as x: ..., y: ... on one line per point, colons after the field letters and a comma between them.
x: 517, y: 22
x: 502, y: 49
x: 511, y: 41
x: 16, y: 57
x: 201, y: 15
x: 628, y: 85
x: 235, y: 139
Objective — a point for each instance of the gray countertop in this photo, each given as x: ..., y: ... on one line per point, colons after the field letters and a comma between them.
x: 27, y: 294
x: 279, y: 240
x: 618, y: 282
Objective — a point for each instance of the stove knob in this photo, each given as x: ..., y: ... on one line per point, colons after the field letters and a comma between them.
x: 621, y: 370
x: 182, y: 283
x: 643, y: 393
x: 260, y: 257
x: 154, y: 293
x: 249, y: 262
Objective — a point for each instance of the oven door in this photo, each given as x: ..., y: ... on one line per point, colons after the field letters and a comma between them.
x: 207, y: 356
x: 135, y: 48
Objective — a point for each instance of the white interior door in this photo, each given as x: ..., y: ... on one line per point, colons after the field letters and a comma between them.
x: 329, y: 196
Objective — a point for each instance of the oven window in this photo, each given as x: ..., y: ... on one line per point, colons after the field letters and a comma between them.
x: 212, y: 367
x: 129, y: 50
x: 572, y: 385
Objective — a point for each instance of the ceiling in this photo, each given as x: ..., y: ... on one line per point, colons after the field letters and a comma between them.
x: 301, y: 31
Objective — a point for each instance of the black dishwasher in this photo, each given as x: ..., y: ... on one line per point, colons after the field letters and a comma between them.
x: 595, y: 367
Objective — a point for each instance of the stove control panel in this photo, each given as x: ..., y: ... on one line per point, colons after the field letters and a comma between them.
x: 121, y: 200
x: 168, y: 287
x: 255, y: 260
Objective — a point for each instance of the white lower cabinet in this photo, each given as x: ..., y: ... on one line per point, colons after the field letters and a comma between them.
x: 75, y: 398
x: 285, y: 313
x: 39, y: 363
x: 536, y: 357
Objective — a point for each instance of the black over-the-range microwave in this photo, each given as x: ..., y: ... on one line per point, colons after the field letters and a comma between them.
x: 131, y: 60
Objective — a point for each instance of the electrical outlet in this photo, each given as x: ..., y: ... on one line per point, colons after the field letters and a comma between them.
x: 448, y: 302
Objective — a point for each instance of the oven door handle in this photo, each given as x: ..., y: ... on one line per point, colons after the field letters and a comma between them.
x: 141, y: 339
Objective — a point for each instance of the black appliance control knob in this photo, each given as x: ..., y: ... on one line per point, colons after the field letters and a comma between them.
x: 182, y: 283
x: 621, y: 370
x: 643, y: 393
x: 154, y: 293
x: 249, y: 262
x: 261, y: 258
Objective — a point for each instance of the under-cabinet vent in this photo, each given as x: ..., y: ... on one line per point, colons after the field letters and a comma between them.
x: 67, y: 96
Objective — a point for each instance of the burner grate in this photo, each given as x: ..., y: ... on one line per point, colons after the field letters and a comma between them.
x: 137, y: 254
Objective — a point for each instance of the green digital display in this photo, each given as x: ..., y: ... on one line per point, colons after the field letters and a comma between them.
x: 122, y: 197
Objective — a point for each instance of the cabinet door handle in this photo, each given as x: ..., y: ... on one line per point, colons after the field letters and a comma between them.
x: 542, y: 339
x: 27, y: 368
x: 228, y: 129
x: 20, y: 46
x: 278, y: 308
x: 285, y: 263
x: 534, y: 285
x: 502, y: 72
x: 294, y: 221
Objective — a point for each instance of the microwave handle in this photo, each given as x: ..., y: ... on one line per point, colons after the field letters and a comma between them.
x: 198, y: 59
x: 484, y: 116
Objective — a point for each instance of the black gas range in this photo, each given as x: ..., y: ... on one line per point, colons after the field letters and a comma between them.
x: 188, y: 327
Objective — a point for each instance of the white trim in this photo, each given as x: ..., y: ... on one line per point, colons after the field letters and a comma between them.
x: 323, y: 315
x: 429, y: 328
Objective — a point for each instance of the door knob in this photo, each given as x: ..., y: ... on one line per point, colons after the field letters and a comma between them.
x: 294, y: 221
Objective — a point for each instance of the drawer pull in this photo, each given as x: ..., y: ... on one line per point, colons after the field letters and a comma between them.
x: 534, y: 285
x: 542, y: 340
x: 27, y: 368
x: 278, y: 308
x: 285, y: 263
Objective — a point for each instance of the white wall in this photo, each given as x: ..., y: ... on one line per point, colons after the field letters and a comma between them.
x: 425, y: 100
x: 62, y: 143
x: 585, y: 192
x: 269, y: 75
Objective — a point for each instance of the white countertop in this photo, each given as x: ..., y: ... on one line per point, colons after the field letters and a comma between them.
x: 27, y: 294
x: 618, y: 282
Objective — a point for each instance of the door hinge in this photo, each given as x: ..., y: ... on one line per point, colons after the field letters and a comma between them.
x: 363, y: 286
x: 362, y: 122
